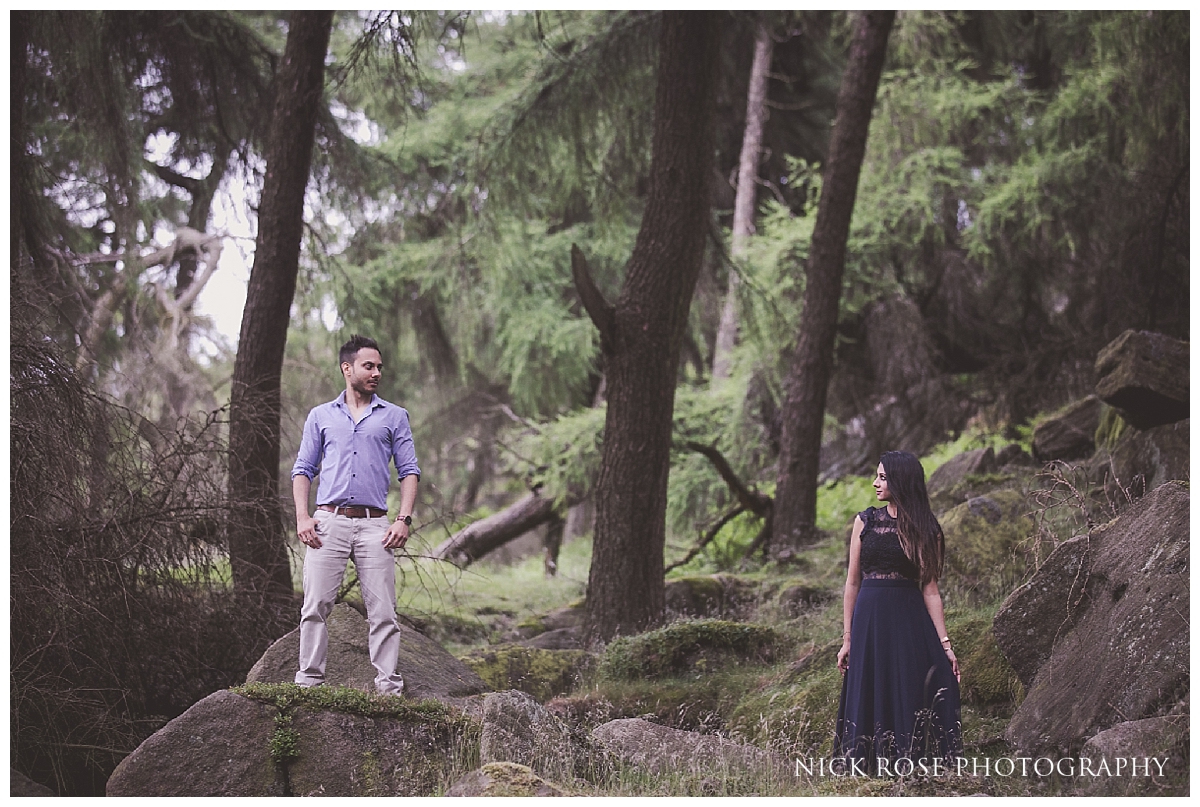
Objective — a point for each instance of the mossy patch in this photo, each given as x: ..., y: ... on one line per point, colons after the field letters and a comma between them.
x: 695, y: 645
x: 987, y: 544
x: 541, y: 673
x: 287, y: 697
x: 988, y: 681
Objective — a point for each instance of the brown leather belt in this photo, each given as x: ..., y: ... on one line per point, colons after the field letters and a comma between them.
x: 352, y: 512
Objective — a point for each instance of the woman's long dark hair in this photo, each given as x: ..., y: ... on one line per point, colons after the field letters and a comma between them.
x: 920, y: 534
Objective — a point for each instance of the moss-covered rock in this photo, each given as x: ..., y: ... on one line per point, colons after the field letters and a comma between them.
x: 989, y: 682
x: 795, y: 600
x: 986, y: 544
x: 697, y: 645
x: 505, y: 779
x: 699, y: 702
x: 716, y: 595
x: 541, y: 673
x: 284, y: 740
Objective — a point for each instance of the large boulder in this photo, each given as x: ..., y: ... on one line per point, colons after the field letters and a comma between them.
x: 1143, y: 460
x: 218, y: 747
x: 428, y: 670
x: 1069, y: 433
x: 231, y: 745
x: 1162, y: 740
x: 340, y: 754
x: 516, y: 728
x: 1144, y: 376
x: 1043, y: 609
x: 22, y: 785
x: 1112, y: 607
x: 664, y: 750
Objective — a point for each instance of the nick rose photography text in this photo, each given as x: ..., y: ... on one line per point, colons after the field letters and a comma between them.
x: 986, y: 766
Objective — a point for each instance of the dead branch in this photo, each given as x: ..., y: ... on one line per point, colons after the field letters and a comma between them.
x: 707, y: 538
x: 757, y: 503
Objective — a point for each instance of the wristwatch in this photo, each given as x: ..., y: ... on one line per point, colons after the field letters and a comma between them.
x: 407, y: 520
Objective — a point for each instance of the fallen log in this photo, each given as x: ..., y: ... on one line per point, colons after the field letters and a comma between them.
x: 483, y: 536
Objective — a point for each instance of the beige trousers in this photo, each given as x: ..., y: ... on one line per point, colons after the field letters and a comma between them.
x: 342, y: 539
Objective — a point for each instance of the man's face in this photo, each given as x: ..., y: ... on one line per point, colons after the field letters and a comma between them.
x: 363, y: 375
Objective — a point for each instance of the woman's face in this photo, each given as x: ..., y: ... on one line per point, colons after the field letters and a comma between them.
x: 881, y: 486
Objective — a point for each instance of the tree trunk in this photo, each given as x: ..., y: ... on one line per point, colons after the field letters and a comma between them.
x: 812, y: 362
x: 641, y: 336
x: 493, y: 532
x: 257, y: 552
x: 747, y: 186
x: 17, y: 162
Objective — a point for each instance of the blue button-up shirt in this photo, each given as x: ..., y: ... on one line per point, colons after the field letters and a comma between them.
x: 352, y: 458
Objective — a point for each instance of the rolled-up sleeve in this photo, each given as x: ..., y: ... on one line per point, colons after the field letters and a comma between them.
x: 404, y: 453
x: 308, y: 459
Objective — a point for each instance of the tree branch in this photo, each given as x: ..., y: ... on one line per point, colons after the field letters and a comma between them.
x: 708, y: 537
x: 175, y: 178
x: 603, y: 314
x: 751, y: 500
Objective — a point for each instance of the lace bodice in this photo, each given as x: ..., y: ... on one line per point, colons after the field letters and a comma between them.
x: 881, y: 555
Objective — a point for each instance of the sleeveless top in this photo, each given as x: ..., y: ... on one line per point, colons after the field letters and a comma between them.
x: 881, y: 555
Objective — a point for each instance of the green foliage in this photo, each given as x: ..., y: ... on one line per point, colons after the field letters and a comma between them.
x: 839, y: 501
x: 285, y: 740
x: 969, y: 440
x: 683, y: 647
x: 562, y: 455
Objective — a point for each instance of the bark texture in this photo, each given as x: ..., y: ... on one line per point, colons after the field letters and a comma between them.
x: 258, y: 556
x: 643, y: 333
x: 812, y: 362
x: 747, y: 187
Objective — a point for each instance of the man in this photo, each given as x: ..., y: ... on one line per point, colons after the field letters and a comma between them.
x: 350, y: 441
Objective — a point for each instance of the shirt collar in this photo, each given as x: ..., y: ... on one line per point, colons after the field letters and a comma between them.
x: 375, y: 399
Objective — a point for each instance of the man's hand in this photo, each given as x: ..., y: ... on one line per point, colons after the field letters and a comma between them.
x: 397, y: 535
x: 306, y: 530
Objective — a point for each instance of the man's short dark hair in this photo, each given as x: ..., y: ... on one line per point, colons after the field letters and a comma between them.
x: 350, y: 350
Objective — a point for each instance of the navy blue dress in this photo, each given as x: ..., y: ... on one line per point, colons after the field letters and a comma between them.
x: 899, y: 699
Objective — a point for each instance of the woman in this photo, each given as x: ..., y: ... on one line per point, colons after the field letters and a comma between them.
x: 900, y: 688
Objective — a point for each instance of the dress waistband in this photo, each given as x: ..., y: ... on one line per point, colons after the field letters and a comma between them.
x: 889, y: 582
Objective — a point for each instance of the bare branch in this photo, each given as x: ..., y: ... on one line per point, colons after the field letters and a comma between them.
x: 751, y: 500
x: 708, y: 537
x: 601, y: 311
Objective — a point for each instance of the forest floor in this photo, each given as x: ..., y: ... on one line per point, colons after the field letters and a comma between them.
x: 784, y: 700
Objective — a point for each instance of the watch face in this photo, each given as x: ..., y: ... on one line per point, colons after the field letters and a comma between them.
x: 408, y: 520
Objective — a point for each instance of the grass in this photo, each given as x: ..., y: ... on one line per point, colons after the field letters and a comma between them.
x: 472, y: 607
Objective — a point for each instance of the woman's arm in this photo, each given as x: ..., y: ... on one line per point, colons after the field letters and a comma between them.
x: 933, y: 604
x: 850, y: 594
